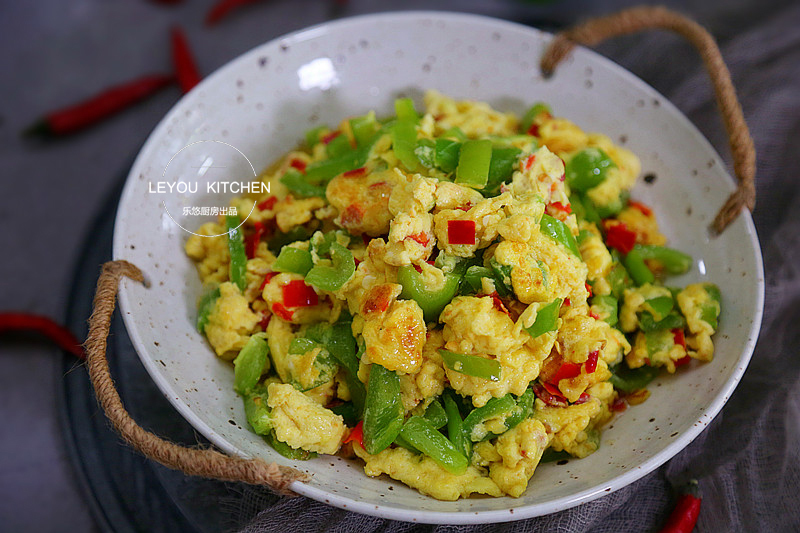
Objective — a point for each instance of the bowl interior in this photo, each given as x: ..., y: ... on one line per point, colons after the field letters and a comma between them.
x: 262, y: 102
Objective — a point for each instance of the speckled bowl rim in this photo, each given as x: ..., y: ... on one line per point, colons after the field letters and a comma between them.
x: 436, y: 517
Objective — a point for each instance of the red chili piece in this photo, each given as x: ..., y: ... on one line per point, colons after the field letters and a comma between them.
x: 298, y: 164
x: 297, y: 294
x: 594, y: 315
x: 619, y: 405
x: 280, y: 310
x: 461, y: 231
x: 588, y: 289
x: 265, y: 318
x: 529, y: 162
x: 567, y: 302
x: 566, y: 371
x: 268, y: 277
x: 330, y: 136
x: 252, y: 240
x: 583, y: 398
x: 465, y: 207
x: 550, y: 399
x: 558, y: 206
x: 646, y: 211
x: 356, y: 172
x: 267, y: 204
x: 420, y: 237
x: 99, y: 107
x: 534, y: 130
x: 12, y: 321
x: 591, y: 362
x: 352, y: 216
x: 498, y: 303
x: 687, y: 510
x: 185, y: 67
x: 678, y: 338
x: 222, y: 8
x: 357, y: 435
x: 620, y: 237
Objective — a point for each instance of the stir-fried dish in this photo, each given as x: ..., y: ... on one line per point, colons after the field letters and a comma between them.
x: 452, y: 297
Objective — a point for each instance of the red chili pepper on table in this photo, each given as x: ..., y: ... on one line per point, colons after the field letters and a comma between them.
x: 12, y: 321
x: 185, y: 67
x: 687, y: 510
x: 223, y: 7
x: 97, y: 108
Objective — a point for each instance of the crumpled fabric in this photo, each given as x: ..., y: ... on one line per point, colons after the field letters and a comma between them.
x: 748, y: 459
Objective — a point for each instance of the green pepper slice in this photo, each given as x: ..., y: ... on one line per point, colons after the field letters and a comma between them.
x: 432, y: 302
x: 501, y: 168
x: 446, y: 154
x: 474, y: 428
x: 546, y: 319
x: 404, y: 142
x: 587, y: 169
x: 634, y: 263
x: 251, y: 362
x: 435, y: 414
x: 297, y: 184
x: 559, y: 232
x: 238, y: 264
x: 348, y: 412
x: 294, y: 260
x: 608, y: 305
x: 287, y: 451
x: 671, y: 321
x: 314, y: 135
x: 364, y: 129
x: 383, y: 409
x: 339, y: 341
x: 474, y: 162
x: 531, y: 114
x: 205, y: 306
x: 674, y: 262
x: 455, y: 425
x: 333, y: 278
x: 632, y: 379
x: 257, y: 411
x: 472, y: 365
x: 421, y: 434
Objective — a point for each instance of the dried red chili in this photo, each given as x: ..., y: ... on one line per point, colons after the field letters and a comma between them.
x: 13, y: 321
x: 186, y: 70
x: 97, y: 108
x: 687, y: 510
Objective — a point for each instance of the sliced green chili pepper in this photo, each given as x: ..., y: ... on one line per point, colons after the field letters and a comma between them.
x: 546, y: 319
x: 286, y: 450
x: 659, y: 340
x: 324, y: 365
x: 435, y: 414
x: 297, y: 184
x: 332, y: 278
x: 321, y: 242
x: 583, y: 207
x: 383, y: 409
x: 257, y: 411
x: 531, y: 114
x: 281, y: 239
x: 404, y: 109
x: 629, y: 380
x: 559, y: 232
x: 403, y: 443
x: 205, y: 306
x: 612, y: 208
x: 472, y: 365
x: 324, y: 171
x: 251, y: 362
x: 338, y: 146
x: 674, y: 262
x: 456, y: 133
x: 502, y: 277
x: 426, y: 152
x: 608, y: 305
x: 587, y: 169
x: 710, y: 311
x: 474, y: 276
x: 364, y: 129
x: 455, y: 425
x: 446, y: 154
x: 659, y: 307
x: 238, y: 265
x: 421, y: 434
x: 431, y: 301
x: 474, y: 162
x: 525, y: 409
x: 634, y: 263
x: 338, y: 339
x: 314, y: 135
x: 294, y: 260
x: 619, y: 280
x: 551, y: 456
x: 504, y: 161
x: 671, y: 321
x: 404, y: 141
x: 348, y: 412
x: 495, y: 408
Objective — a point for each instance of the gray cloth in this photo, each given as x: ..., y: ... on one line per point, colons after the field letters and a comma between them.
x: 748, y: 459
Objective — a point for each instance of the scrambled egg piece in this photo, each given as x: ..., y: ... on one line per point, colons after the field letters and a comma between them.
x: 635, y: 301
x: 363, y: 201
x: 645, y: 226
x: 693, y: 301
x: 475, y: 119
x: 231, y: 322
x: 427, y: 382
x: 566, y: 424
x: 301, y: 423
x: 597, y: 258
x: 657, y: 348
x: 486, y: 215
x: 394, y: 339
x: 424, y: 474
x: 520, y: 450
x: 210, y: 253
x: 273, y: 295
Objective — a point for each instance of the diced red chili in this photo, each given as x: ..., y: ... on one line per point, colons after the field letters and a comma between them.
x: 356, y: 172
x: 583, y: 398
x: 594, y: 315
x: 619, y: 405
x: 498, y: 303
x: 280, y: 310
x: 298, y: 164
x: 588, y: 289
x: 591, y: 362
x: 418, y: 268
x: 267, y: 204
x: 685, y: 360
x: 534, y: 130
x: 620, y: 237
x: 646, y: 211
x: 252, y: 240
x: 566, y: 371
x: 297, y: 294
x: 558, y: 206
x: 567, y: 302
x: 529, y: 162
x: 267, y: 277
x: 357, y: 434
x: 550, y: 399
x: 264, y: 322
x: 465, y: 207
x: 352, y: 215
x: 330, y: 136
x: 461, y: 231
x: 420, y: 237
x: 678, y: 338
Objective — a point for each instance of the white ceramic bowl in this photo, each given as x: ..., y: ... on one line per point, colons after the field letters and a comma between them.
x: 262, y: 102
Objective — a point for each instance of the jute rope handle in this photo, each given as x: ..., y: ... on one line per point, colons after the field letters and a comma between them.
x: 202, y: 462
x: 594, y: 31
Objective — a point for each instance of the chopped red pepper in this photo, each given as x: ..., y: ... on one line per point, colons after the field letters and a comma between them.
x: 619, y: 404
x: 498, y: 303
x: 583, y: 398
x: 11, y: 321
x: 330, y: 136
x: 684, y: 517
x: 356, y: 172
x: 267, y: 204
x: 465, y: 207
x: 420, y: 237
x: 534, y: 130
x: 280, y: 310
x: 529, y: 161
x: 297, y: 294
x: 357, y: 434
x: 99, y: 107
x: 186, y: 70
x: 678, y: 338
x: 252, y: 240
x: 550, y: 399
x: 558, y: 206
x: 620, y: 237
x: 566, y: 371
x: 685, y: 360
x: 298, y: 164
x: 591, y: 362
x: 646, y: 211
x: 267, y: 277
x: 264, y: 322
x: 417, y: 268
x: 567, y: 302
x: 461, y: 231
x: 588, y: 289
x: 594, y: 315
x: 352, y: 216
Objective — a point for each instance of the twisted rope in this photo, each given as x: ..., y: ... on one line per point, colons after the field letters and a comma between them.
x: 594, y: 31
x: 202, y: 462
